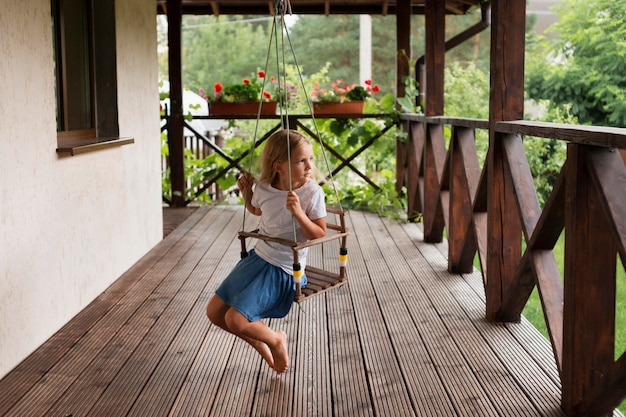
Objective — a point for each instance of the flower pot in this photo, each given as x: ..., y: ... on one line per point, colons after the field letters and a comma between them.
x: 250, y: 107
x: 329, y: 109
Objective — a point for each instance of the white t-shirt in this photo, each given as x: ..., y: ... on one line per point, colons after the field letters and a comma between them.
x: 276, y: 221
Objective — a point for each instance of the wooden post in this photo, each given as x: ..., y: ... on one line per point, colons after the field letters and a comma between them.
x: 464, y: 179
x: 403, y: 45
x: 175, y: 138
x: 589, y: 296
x: 403, y: 51
x: 434, y: 150
x: 414, y: 149
x: 506, y: 102
x: 435, y: 56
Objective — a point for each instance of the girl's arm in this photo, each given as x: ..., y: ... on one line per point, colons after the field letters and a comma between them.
x: 312, y: 229
x: 244, y: 183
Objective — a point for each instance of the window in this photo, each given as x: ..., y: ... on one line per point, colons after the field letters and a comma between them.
x: 85, y: 70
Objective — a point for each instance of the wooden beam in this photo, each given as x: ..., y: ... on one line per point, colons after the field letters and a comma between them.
x: 434, y: 160
x: 403, y: 45
x: 414, y: 180
x: 506, y: 103
x: 435, y: 56
x: 464, y: 178
x: 175, y: 123
x: 589, y: 299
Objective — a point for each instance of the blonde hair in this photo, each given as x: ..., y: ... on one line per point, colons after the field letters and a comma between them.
x: 276, y: 150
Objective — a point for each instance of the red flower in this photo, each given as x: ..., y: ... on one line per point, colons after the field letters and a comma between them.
x: 267, y: 95
x: 217, y: 87
x: 368, y: 82
x: 376, y: 88
x: 246, y: 81
x: 261, y: 74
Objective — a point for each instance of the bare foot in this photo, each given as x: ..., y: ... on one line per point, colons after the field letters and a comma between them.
x: 279, y: 352
x: 265, y: 352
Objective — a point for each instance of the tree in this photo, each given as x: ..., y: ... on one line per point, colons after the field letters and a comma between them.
x: 585, y: 66
x: 321, y: 39
x: 224, y: 49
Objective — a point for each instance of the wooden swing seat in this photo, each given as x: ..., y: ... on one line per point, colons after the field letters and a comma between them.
x: 318, y: 280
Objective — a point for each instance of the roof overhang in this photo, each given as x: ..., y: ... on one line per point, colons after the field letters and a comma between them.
x: 319, y: 7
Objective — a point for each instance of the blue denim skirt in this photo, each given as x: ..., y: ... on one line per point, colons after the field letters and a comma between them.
x: 258, y: 289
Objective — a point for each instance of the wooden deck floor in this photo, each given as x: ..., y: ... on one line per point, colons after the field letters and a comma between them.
x: 402, y: 338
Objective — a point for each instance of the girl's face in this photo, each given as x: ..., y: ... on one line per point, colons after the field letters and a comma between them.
x: 301, y: 167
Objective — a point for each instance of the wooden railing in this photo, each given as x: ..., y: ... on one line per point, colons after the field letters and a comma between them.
x: 494, y: 213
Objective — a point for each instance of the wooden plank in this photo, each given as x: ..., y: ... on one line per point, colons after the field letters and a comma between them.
x: 514, y: 384
x: 312, y: 361
x: 123, y: 391
x: 402, y: 337
x: 143, y: 278
x: 160, y: 390
x: 174, y: 217
x: 428, y: 394
x: 464, y: 393
x: 350, y: 385
x: 378, y: 301
x: 197, y: 395
x: 274, y: 395
x: 30, y: 371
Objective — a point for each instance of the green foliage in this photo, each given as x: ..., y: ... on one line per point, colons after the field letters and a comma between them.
x: 584, y: 67
x: 411, y: 91
x: 222, y: 49
x: 358, y: 93
x: 199, y: 170
x: 466, y: 91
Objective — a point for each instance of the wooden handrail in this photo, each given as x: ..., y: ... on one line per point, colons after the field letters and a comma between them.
x: 610, y: 137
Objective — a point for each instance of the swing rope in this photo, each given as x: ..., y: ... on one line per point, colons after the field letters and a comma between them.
x: 280, y: 8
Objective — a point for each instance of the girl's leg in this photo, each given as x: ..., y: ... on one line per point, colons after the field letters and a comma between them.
x: 258, y: 331
x: 216, y: 311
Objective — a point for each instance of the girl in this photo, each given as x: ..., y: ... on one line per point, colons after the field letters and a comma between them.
x: 261, y: 285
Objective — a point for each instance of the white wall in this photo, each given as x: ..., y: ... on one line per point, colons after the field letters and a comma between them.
x: 70, y: 226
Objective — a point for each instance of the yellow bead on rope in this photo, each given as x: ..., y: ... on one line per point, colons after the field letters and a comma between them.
x: 343, y: 257
x: 297, y: 273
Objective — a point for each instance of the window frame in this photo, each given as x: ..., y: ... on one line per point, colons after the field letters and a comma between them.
x: 99, y: 38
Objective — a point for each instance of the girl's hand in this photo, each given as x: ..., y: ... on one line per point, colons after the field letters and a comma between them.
x: 245, y: 182
x: 293, y: 203
x: 312, y: 228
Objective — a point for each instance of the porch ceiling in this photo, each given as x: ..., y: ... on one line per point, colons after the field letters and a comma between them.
x: 321, y: 7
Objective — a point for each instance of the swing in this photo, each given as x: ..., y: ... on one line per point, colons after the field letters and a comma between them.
x: 318, y: 280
